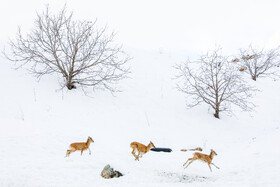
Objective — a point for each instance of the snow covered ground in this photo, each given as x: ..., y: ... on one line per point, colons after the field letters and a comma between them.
x: 38, y: 122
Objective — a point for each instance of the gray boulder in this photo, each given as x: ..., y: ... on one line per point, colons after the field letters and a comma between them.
x: 109, y: 172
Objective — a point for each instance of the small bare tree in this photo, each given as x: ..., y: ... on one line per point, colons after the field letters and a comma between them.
x: 259, y: 63
x: 215, y: 81
x: 78, y: 50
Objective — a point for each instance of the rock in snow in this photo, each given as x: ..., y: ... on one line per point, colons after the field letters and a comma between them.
x: 109, y: 172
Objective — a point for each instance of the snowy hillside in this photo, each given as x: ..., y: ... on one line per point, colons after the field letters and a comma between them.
x: 39, y: 121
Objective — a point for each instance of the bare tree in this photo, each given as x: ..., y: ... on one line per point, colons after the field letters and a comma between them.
x: 78, y: 50
x: 215, y: 81
x: 259, y: 63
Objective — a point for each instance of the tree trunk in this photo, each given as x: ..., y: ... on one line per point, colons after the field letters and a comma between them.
x: 217, y: 114
x: 254, y: 77
x: 70, y: 85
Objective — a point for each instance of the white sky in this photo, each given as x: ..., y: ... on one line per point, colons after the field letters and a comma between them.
x: 171, y: 25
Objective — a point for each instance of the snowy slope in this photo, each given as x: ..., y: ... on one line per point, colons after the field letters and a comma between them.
x: 38, y: 122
